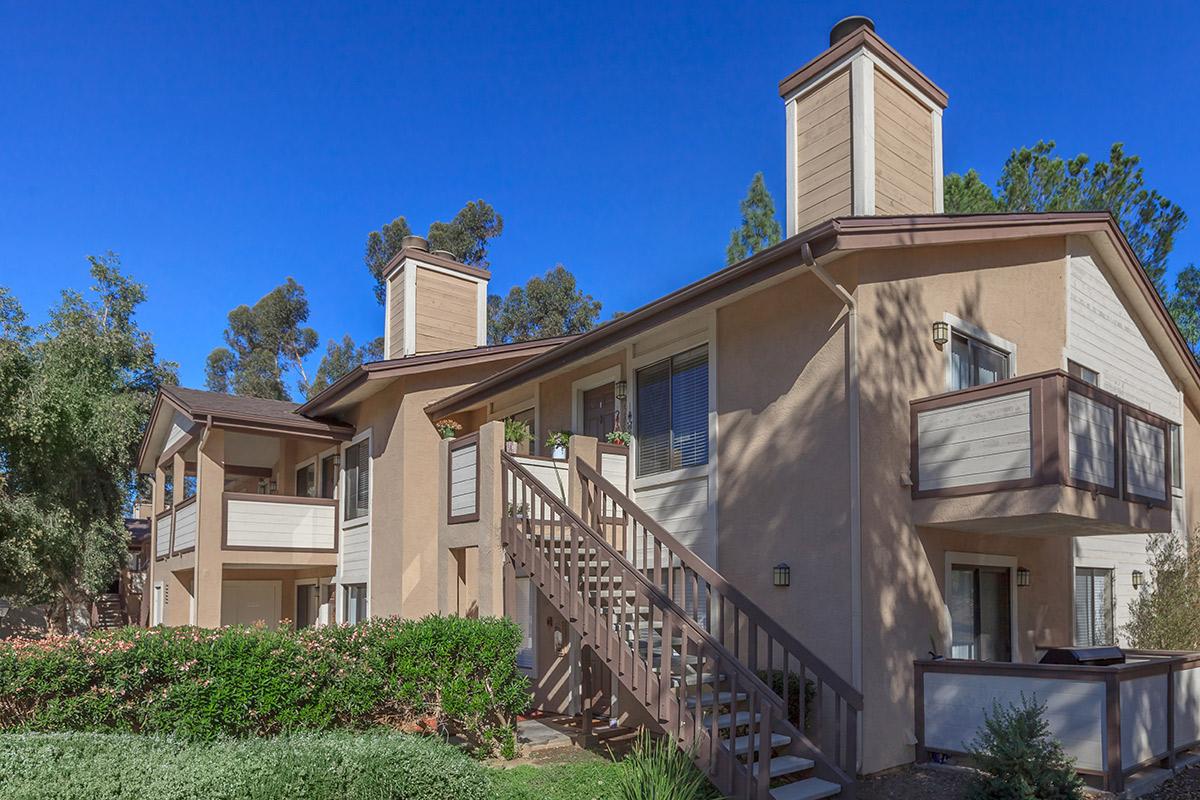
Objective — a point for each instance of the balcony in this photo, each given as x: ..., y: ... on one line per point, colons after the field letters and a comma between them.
x: 1041, y: 454
x: 279, y: 524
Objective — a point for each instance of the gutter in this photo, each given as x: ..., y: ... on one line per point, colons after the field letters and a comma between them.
x: 852, y: 408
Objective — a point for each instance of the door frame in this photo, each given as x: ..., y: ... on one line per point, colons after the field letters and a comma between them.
x: 594, y: 381
x: 985, y: 560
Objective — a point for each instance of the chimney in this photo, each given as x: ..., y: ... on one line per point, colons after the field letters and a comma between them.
x: 433, y: 302
x: 864, y: 132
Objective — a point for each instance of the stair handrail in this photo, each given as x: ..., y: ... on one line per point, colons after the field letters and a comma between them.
x: 650, y: 586
x: 689, y: 559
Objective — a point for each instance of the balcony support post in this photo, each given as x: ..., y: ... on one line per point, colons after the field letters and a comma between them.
x: 210, y: 484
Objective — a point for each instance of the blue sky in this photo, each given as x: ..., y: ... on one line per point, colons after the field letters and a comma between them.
x: 222, y: 148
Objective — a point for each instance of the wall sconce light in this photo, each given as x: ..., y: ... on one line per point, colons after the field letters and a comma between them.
x: 1138, y: 579
x: 1022, y: 576
x: 620, y: 390
x: 941, y: 333
x: 782, y: 575
x: 5, y: 605
x: 274, y: 486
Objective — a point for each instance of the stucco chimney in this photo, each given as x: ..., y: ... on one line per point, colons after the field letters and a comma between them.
x: 864, y: 132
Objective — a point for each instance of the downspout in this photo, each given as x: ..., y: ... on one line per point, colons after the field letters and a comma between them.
x: 852, y: 403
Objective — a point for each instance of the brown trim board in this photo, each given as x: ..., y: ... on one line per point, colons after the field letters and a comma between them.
x: 462, y: 443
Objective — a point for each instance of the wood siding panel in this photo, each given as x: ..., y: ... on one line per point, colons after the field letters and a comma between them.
x: 978, y: 442
x: 823, y: 153
x: 1187, y: 700
x: 1092, y: 441
x: 267, y: 525
x: 1122, y: 553
x: 955, y: 706
x: 682, y: 507
x: 1143, y: 719
x: 162, y: 544
x: 464, y: 481
x: 355, y: 544
x: 185, y: 527
x: 396, y: 323
x: 551, y: 474
x: 446, y: 312
x: 1145, y: 459
x: 903, y: 151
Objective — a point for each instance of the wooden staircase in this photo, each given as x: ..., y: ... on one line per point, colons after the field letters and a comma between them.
x: 686, y: 645
x: 109, y: 612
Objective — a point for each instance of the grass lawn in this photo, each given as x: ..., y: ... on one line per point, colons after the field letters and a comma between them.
x: 591, y: 778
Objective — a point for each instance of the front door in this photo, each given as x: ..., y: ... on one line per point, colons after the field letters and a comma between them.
x: 250, y: 602
x: 980, y: 612
x: 308, y: 604
x: 600, y: 411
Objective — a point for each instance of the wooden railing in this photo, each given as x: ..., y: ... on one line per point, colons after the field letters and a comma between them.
x: 755, y: 639
x: 1035, y: 430
x: 620, y: 613
x: 1112, y: 720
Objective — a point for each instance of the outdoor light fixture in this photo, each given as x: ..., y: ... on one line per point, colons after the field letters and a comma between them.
x: 782, y: 575
x: 620, y: 390
x: 273, y: 486
x: 941, y: 333
x: 1022, y: 576
x: 4, y: 607
x: 1138, y: 579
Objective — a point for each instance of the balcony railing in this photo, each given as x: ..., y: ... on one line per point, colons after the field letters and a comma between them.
x: 1036, y: 430
x: 269, y: 522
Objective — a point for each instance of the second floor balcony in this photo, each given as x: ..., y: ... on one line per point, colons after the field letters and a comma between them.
x: 1040, y: 454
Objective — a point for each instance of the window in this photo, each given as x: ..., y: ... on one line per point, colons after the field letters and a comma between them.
x: 1083, y: 373
x: 1093, y: 607
x: 356, y: 602
x: 306, y: 481
x: 190, y: 482
x: 672, y: 413
x: 168, y: 488
x: 356, y: 495
x: 980, y: 612
x: 973, y: 363
x: 328, y: 476
x: 1176, y: 457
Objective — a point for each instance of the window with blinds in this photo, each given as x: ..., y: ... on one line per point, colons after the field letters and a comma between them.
x: 1093, y: 607
x: 672, y: 413
x: 357, y: 495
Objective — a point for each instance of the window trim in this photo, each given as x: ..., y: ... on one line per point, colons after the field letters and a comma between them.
x: 365, y: 519
x: 663, y: 352
x: 1176, y: 437
x: 1112, y: 570
x: 972, y: 331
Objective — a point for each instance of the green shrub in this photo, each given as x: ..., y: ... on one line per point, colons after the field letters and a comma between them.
x: 656, y: 769
x: 338, y: 766
x: 455, y: 674
x: 774, y: 679
x: 1019, y: 758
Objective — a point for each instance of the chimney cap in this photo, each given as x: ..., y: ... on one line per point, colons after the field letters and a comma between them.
x: 446, y: 254
x: 847, y: 26
x: 415, y: 242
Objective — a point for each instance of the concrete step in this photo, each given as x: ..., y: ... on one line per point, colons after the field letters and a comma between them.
x: 745, y: 744
x: 807, y: 789
x: 786, y: 765
x: 723, y: 721
x: 722, y: 698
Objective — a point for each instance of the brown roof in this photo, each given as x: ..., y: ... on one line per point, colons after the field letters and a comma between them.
x: 236, y: 408
x: 839, y: 234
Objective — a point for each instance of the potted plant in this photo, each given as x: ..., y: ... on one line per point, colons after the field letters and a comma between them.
x: 557, y: 442
x: 516, y: 433
x: 447, y: 428
x: 621, y: 438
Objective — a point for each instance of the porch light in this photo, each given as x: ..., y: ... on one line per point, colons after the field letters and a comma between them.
x: 1022, y: 576
x: 273, y: 486
x: 621, y: 390
x: 4, y: 607
x: 1138, y: 579
x: 782, y: 575
x: 941, y: 333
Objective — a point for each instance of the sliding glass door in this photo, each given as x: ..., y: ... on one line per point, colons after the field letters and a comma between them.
x: 980, y: 612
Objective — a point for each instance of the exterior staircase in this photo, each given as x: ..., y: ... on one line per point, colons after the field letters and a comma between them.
x: 109, y: 612
x: 691, y: 649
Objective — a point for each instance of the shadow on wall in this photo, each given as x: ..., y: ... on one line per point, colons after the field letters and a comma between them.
x: 30, y: 621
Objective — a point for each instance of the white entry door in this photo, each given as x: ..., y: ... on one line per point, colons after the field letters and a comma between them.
x: 248, y: 602
x: 156, y: 607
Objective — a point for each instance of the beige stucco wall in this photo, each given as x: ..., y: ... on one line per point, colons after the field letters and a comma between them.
x: 555, y: 401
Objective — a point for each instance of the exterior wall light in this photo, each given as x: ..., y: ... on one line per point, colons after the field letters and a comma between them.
x: 1138, y: 579
x: 1022, y: 576
x: 621, y: 389
x: 941, y: 333
x: 4, y: 607
x: 782, y: 575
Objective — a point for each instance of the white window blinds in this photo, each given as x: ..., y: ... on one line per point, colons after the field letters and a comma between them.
x: 1094, y: 607
x: 672, y: 413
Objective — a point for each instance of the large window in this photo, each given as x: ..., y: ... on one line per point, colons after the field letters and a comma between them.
x: 306, y: 481
x: 328, y: 476
x: 672, y: 413
x: 973, y: 363
x: 1093, y: 607
x: 356, y: 602
x: 356, y: 496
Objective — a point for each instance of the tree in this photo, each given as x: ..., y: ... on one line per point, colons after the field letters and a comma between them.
x: 75, y: 394
x: 1018, y: 757
x: 1165, y: 615
x: 760, y: 229
x: 1037, y: 179
x: 265, y: 342
x: 340, y: 358
x: 548, y: 306
x: 467, y: 236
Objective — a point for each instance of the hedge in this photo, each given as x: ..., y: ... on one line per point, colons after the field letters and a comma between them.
x: 456, y: 675
x: 314, y: 766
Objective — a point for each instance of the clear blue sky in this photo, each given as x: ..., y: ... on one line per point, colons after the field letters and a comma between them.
x: 221, y: 148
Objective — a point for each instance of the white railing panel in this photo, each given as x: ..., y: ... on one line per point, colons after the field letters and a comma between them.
x: 983, y: 441
x: 162, y: 542
x: 1092, y: 440
x: 264, y: 524
x: 186, y: 520
x: 1143, y: 719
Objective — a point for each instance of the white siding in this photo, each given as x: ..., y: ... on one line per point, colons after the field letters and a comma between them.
x: 1145, y: 459
x: 162, y: 543
x: 977, y: 442
x: 553, y: 475
x: 179, y: 428
x: 355, y: 546
x: 255, y: 523
x: 1122, y: 554
x: 682, y: 507
x: 1092, y: 441
x: 614, y: 467
x: 464, y: 482
x: 1143, y: 719
x: 185, y: 527
x: 955, y: 706
x: 1187, y: 706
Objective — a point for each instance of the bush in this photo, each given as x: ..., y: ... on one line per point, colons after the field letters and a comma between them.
x: 339, y: 766
x: 442, y: 672
x: 1019, y: 758
x: 774, y: 679
x: 656, y: 769
x: 1165, y: 615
